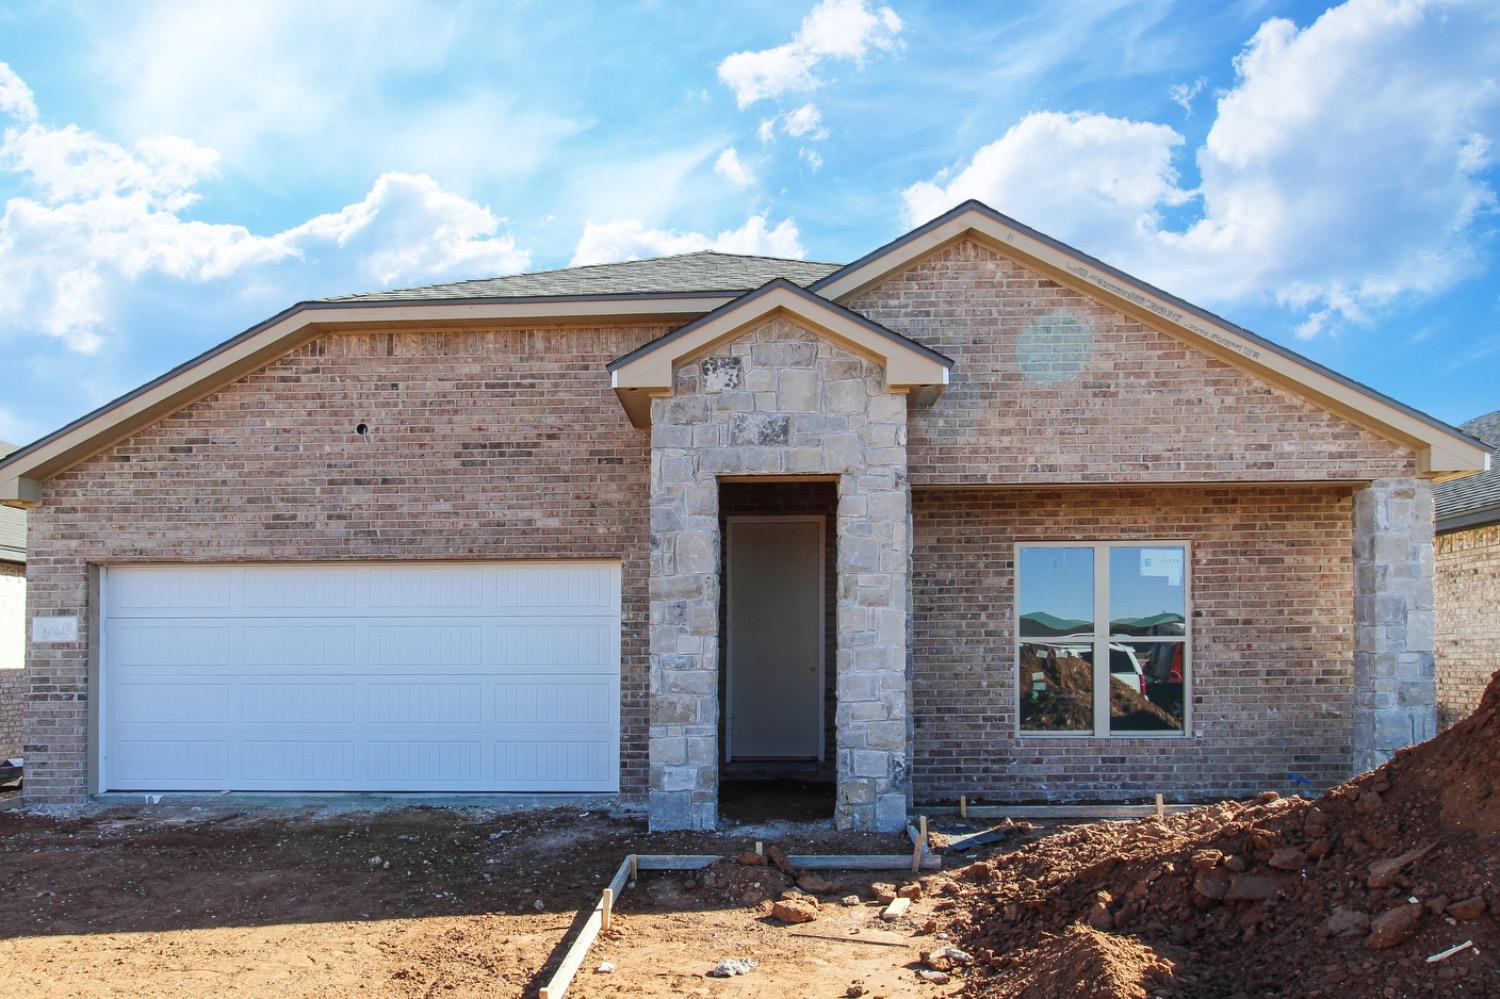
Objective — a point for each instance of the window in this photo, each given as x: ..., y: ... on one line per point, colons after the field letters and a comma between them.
x: 1102, y: 638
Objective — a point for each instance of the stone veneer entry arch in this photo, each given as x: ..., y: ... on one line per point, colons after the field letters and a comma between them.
x: 780, y: 400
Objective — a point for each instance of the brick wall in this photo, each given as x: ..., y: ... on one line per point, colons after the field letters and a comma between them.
x: 1050, y: 386
x: 495, y: 445
x: 12, y: 656
x: 1468, y: 618
x: 1272, y: 684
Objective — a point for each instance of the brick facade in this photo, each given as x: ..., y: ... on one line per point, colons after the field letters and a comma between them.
x: 501, y: 444
x: 1049, y: 386
x: 510, y: 444
x: 1271, y: 686
x: 12, y: 656
x: 1468, y: 618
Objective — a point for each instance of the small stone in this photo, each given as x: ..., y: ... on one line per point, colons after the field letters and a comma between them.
x: 1469, y: 908
x: 1344, y: 923
x: 605, y: 968
x: 1212, y: 884
x: 854, y: 991
x: 539, y: 905
x: 1099, y: 917
x: 1206, y: 860
x: 1390, y: 928
x: 850, y: 900
x: 815, y: 883
x: 912, y: 891
x: 795, y: 910
x: 884, y: 894
x: 749, y: 859
x: 732, y: 966
x: 1236, y: 863
x: 1252, y: 888
x: 933, y: 977
x: 375, y: 861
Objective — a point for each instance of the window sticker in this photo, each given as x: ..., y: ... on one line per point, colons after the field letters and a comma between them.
x: 1163, y: 562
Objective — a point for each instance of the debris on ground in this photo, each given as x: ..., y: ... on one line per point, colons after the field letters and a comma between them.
x: 1346, y: 895
x: 732, y: 966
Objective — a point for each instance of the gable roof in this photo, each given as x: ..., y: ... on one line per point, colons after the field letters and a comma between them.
x: 647, y: 371
x: 1475, y: 500
x: 1441, y: 449
x: 12, y: 525
x: 661, y: 291
x: 703, y: 271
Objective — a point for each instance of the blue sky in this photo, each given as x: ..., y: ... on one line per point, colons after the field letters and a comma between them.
x: 172, y: 173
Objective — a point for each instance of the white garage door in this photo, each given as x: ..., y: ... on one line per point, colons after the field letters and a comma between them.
x: 389, y: 677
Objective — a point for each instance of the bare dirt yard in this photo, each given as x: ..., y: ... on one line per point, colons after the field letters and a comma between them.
x: 190, y: 902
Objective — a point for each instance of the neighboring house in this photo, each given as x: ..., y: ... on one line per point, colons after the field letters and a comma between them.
x: 973, y: 514
x: 1468, y: 582
x: 12, y: 624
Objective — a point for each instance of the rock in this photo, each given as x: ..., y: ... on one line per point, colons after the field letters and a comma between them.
x: 1318, y: 848
x: 1383, y: 872
x: 605, y: 968
x: 850, y: 900
x: 795, y: 910
x: 884, y: 894
x: 1368, y: 802
x: 732, y: 966
x: 1288, y: 858
x: 775, y: 855
x: 798, y: 895
x: 1213, y: 884
x: 1469, y: 908
x: 1390, y: 928
x: 854, y: 991
x: 1099, y: 917
x: 933, y: 977
x: 815, y: 883
x: 912, y: 891
x: 1315, y: 822
x: 539, y: 905
x: 1252, y: 888
x: 1206, y: 860
x: 1236, y: 863
x: 749, y: 859
x: 952, y: 955
x: 1344, y: 923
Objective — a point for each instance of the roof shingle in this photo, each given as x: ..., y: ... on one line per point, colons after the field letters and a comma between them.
x: 704, y: 271
x: 1478, y: 492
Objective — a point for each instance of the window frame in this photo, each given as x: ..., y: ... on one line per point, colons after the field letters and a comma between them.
x: 1102, y: 637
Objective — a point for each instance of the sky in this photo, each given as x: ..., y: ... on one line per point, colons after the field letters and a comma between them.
x: 174, y: 172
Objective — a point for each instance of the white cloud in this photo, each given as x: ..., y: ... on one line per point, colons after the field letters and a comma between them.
x: 766, y: 130
x: 1182, y: 94
x: 97, y: 217
x: 811, y: 157
x: 805, y: 121
x: 1344, y: 169
x: 15, y: 97
x: 733, y: 169
x: 834, y: 29
x: 629, y: 239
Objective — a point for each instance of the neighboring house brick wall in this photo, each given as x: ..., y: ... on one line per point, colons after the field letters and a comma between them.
x: 482, y: 445
x: 12, y: 656
x: 1468, y: 618
x: 1112, y: 400
x: 1272, y: 685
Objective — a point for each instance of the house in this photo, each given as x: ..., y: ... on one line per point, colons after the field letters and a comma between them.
x: 974, y: 514
x: 1468, y: 582
x: 12, y: 624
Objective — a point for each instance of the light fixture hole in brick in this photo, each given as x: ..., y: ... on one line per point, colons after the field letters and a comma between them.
x: 362, y: 429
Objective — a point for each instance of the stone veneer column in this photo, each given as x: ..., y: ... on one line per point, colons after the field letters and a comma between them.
x: 780, y: 400
x: 1395, y: 694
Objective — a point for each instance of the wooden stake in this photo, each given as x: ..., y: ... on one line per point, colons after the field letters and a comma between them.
x: 1161, y: 808
x: 759, y: 852
x: 632, y: 869
x: 963, y: 806
x: 606, y: 909
x: 920, y: 843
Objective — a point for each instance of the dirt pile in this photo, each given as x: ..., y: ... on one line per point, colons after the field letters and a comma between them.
x: 1347, y: 895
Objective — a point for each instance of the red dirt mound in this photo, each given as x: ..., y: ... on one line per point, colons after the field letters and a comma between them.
x: 1346, y: 896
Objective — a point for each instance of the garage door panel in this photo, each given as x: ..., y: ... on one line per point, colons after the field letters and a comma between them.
x: 337, y: 694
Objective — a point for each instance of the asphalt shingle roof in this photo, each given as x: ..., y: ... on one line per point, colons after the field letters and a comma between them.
x: 704, y: 271
x: 12, y: 525
x: 1473, y: 492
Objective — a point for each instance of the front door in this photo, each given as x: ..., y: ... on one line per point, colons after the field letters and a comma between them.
x: 775, y: 642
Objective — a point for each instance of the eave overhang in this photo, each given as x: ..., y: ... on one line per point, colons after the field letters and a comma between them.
x: 23, y: 472
x: 1442, y: 451
x: 647, y: 372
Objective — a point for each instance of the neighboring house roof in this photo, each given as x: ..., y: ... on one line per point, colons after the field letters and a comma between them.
x: 1475, y: 500
x: 704, y: 271
x: 647, y: 371
x: 12, y: 525
x: 662, y: 291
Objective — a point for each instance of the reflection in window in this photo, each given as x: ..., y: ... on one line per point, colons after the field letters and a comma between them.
x: 1056, y: 593
x: 1147, y: 595
x: 1057, y: 688
x: 1147, y: 684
